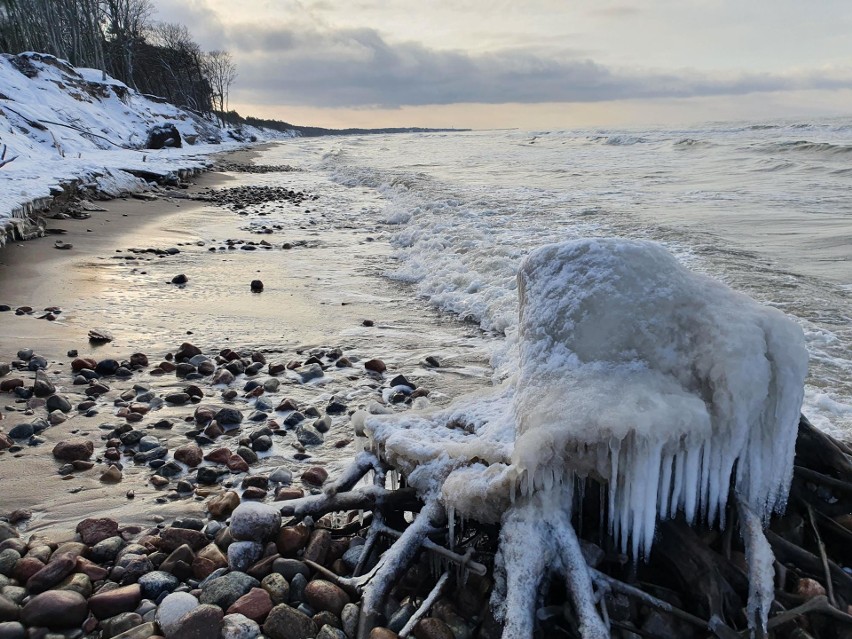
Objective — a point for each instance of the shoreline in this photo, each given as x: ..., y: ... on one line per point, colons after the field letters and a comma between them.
x: 78, y: 280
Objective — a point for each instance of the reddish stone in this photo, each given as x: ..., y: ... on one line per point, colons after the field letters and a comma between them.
x: 253, y: 492
x: 291, y: 539
x: 318, y: 546
x: 114, y: 602
x: 224, y: 504
x: 74, y: 449
x: 237, y: 464
x: 25, y: 568
x: 168, y: 367
x: 189, y: 454
x: 255, y: 605
x: 83, y: 363
x: 432, y: 628
x: 8, y: 385
x: 92, y: 570
x: 375, y: 365
x: 92, y: 531
x: 55, y: 609
x: 286, y: 493
x: 173, y: 538
x: 218, y: 455
x: 5, y: 441
x: 324, y: 595
x: 315, y: 475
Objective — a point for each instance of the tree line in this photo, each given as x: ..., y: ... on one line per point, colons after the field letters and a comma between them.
x: 121, y: 38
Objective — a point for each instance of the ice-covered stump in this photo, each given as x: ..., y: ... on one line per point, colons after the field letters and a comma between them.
x: 663, y: 383
x: 663, y: 386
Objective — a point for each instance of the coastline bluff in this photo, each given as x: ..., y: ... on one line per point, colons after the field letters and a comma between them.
x: 641, y: 384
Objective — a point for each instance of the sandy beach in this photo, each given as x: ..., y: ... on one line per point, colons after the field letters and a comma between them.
x: 316, y: 295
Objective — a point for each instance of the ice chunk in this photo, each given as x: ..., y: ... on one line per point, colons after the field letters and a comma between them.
x: 661, y: 382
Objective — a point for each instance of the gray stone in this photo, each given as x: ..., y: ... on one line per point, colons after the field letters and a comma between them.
x: 242, y: 554
x: 330, y: 632
x: 172, y: 609
x: 308, y: 436
x: 281, y: 476
x: 349, y: 618
x: 253, y: 521
x: 310, y: 372
x: 225, y: 590
x: 285, y: 622
x: 119, y: 624
x: 108, y: 549
x: 157, y: 582
x: 238, y: 626
x: 12, y: 630
x: 8, y: 559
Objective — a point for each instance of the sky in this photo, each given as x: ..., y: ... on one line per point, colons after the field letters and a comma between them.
x: 530, y: 64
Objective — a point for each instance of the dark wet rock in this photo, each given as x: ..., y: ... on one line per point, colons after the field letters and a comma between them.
x: 42, y: 386
x: 256, y: 286
x: 324, y: 595
x: 316, y: 475
x: 58, y: 402
x: 164, y: 136
x: 375, y: 365
x: 172, y: 538
x: 227, y: 416
x: 55, y: 609
x: 22, y: 431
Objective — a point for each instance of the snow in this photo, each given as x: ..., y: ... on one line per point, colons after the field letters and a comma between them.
x: 64, y: 123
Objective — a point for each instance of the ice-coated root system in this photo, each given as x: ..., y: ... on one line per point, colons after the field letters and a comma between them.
x: 643, y: 392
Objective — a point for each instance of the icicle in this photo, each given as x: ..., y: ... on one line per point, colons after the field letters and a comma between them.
x: 451, y: 519
x: 664, y: 491
x: 761, y: 569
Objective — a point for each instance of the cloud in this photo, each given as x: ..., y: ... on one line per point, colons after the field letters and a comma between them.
x: 359, y: 67
x: 305, y: 62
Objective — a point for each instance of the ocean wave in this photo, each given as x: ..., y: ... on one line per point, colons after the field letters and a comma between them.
x: 805, y: 146
x: 618, y: 139
x: 688, y: 143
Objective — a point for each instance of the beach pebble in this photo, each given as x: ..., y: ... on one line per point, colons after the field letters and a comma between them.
x: 375, y: 365
x: 315, y: 475
x: 154, y: 584
x: 285, y: 622
x: 255, y: 604
x: 180, y: 279
x: 237, y: 626
x: 172, y: 609
x: 58, y: 402
x: 203, y: 622
x: 225, y: 590
x: 55, y: 609
x: 255, y: 522
x: 276, y: 585
x: 324, y: 595
x: 74, y: 449
x: 256, y: 286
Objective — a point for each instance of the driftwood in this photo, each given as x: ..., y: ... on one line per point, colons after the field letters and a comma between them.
x: 3, y: 160
x: 694, y: 579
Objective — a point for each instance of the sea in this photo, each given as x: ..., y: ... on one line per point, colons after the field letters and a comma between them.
x: 764, y: 207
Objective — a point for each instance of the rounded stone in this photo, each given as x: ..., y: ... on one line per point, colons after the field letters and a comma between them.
x: 172, y: 609
x: 324, y: 595
x: 55, y: 609
x: 236, y: 626
x: 255, y: 522
x: 285, y: 622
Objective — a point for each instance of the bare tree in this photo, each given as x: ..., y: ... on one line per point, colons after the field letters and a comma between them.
x: 221, y: 71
